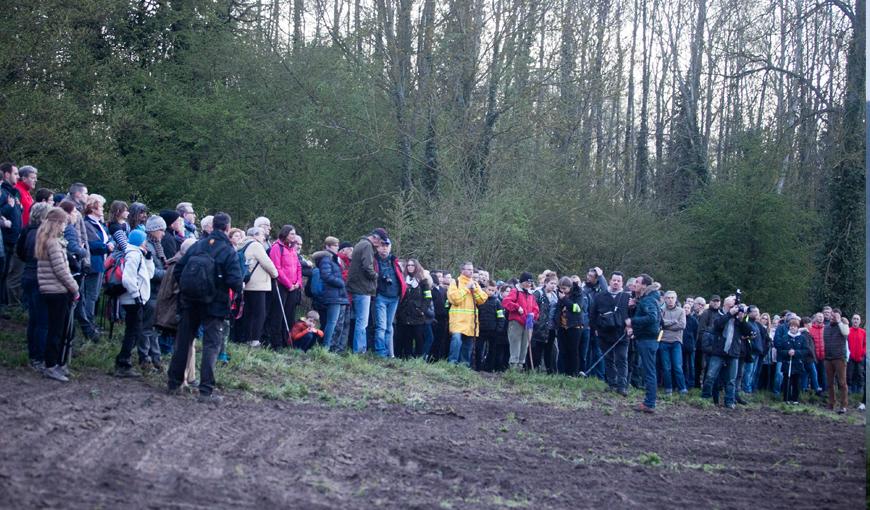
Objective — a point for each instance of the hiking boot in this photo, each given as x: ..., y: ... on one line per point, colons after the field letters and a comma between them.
x: 126, y: 372
x: 643, y: 408
x: 55, y: 373
x: 622, y: 391
x: 157, y: 367
x: 209, y: 398
x: 741, y: 401
x: 861, y: 406
x: 842, y: 410
x: 730, y: 406
x: 64, y: 369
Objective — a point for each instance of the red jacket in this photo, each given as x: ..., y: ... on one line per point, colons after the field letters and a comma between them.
x: 857, y: 344
x: 817, y: 331
x: 517, y: 299
x: 26, y: 203
x: 300, y: 329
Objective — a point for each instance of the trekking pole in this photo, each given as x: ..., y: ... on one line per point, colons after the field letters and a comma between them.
x: 283, y: 314
x: 69, y: 331
x: 586, y: 374
x: 788, y: 379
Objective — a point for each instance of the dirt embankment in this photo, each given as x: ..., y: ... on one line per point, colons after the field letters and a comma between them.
x: 99, y: 442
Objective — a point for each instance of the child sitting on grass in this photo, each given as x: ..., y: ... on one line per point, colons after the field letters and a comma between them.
x: 305, y: 333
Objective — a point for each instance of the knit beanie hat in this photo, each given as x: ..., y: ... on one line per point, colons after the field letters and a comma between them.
x: 526, y: 277
x: 155, y: 223
x: 169, y: 216
x: 136, y: 238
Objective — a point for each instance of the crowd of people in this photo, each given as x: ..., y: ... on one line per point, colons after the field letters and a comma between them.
x: 171, y: 280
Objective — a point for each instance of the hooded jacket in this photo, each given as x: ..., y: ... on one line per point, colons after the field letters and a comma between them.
x: 334, y: 289
x: 646, y: 321
x: 287, y: 263
x: 138, y: 272
x: 264, y: 270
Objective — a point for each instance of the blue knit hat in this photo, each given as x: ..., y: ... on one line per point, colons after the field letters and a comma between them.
x: 136, y: 237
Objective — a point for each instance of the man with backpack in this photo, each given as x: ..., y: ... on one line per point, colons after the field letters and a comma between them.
x: 205, y: 275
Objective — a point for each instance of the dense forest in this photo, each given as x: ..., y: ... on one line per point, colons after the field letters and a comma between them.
x: 712, y: 143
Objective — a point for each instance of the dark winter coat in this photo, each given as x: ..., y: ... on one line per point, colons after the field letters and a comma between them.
x: 492, y: 317
x: 13, y: 213
x: 25, y: 248
x: 226, y: 263
x: 605, y: 302
x: 96, y: 244
x: 742, y: 330
x: 441, y: 304
x: 415, y: 307
x: 690, y: 334
x: 589, y: 293
x: 334, y: 291
x: 784, y: 343
x: 647, y: 319
x: 569, y: 309
x: 541, y: 331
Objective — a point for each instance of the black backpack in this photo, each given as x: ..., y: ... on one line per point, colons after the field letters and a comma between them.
x: 197, y: 282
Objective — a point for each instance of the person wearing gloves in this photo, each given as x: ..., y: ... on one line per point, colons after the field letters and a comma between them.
x: 138, y: 271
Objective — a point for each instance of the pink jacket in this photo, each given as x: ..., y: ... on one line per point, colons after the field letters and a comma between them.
x: 287, y: 263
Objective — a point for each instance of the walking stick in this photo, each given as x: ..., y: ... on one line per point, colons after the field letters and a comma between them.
x: 788, y: 379
x: 69, y: 331
x: 585, y: 374
x: 289, y: 340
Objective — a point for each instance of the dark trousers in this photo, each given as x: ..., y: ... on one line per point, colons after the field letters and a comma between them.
x: 409, y: 340
x: 133, y: 315
x: 689, y: 366
x: 192, y: 317
x: 441, y: 341
x: 499, y: 356
x: 616, y: 362
x: 5, y: 262
x: 277, y: 329
x: 37, y: 320
x: 569, y: 350
x: 254, y: 316
x: 700, y: 366
x: 57, y: 306
x: 646, y: 351
x: 856, y: 376
x: 306, y: 342
x: 791, y: 387
x: 544, y: 352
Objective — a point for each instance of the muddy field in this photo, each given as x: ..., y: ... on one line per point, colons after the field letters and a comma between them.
x: 99, y: 442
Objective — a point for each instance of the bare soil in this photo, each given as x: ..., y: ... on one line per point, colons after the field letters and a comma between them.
x: 100, y: 442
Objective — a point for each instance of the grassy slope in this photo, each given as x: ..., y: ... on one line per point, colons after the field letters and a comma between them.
x: 360, y: 381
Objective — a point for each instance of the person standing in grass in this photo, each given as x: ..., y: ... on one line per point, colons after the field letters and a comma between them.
x: 792, y: 351
x: 465, y: 295
x: 645, y: 325
x: 57, y: 286
x: 137, y: 275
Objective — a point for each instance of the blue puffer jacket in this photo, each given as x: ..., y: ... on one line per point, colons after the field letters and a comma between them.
x: 334, y: 291
x: 646, y: 322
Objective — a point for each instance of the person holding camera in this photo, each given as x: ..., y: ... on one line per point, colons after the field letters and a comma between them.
x: 729, y: 329
x: 136, y: 278
x: 391, y: 289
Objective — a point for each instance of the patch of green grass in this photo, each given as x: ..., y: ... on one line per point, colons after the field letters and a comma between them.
x: 649, y: 459
x: 514, y: 502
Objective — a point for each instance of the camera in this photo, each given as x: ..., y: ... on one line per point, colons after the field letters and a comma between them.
x: 387, y: 280
x: 738, y: 297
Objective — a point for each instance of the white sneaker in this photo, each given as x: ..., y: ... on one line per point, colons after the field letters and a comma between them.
x: 861, y: 406
x: 254, y: 343
x: 64, y: 369
x: 55, y: 373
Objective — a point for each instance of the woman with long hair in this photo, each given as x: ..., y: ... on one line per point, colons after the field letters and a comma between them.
x: 118, y: 226
x: 37, y: 315
x: 413, y: 311
x: 57, y: 286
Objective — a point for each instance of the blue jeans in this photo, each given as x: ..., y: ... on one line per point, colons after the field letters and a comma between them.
x: 332, y: 314
x: 385, y: 312
x: 672, y: 360
x: 37, y: 320
x: 460, y: 349
x: 592, y: 355
x: 361, y: 304
x: 90, y: 292
x: 714, y: 366
x: 646, y: 350
x: 811, y: 376
x: 749, y: 374
x: 777, y: 378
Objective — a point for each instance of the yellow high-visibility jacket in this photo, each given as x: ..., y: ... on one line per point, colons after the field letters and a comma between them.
x: 463, y: 307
